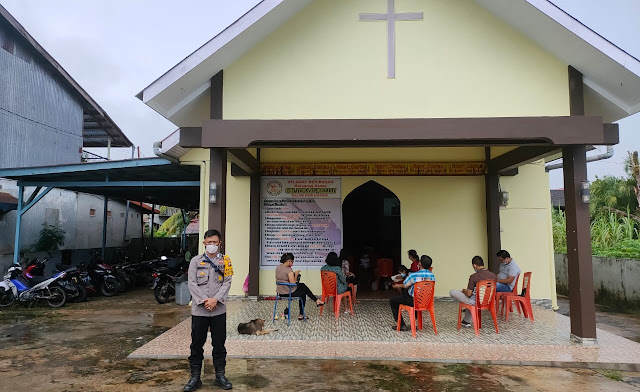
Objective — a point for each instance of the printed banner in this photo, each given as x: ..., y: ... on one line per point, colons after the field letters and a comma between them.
x: 300, y: 215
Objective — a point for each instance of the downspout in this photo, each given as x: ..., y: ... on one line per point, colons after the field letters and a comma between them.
x: 593, y: 158
x: 157, y: 149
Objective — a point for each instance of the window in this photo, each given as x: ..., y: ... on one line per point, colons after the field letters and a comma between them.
x: 92, y: 212
x: 7, y: 42
x: 122, y: 215
x: 52, y: 216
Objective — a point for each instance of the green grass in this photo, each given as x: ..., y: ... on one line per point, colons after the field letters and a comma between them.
x: 612, y: 374
x: 611, y: 235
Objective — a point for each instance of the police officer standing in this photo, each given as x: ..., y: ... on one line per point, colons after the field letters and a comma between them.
x: 209, y: 282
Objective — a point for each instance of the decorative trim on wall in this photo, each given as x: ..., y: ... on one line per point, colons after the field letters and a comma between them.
x: 375, y: 169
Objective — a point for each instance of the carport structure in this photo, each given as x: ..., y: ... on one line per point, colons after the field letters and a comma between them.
x: 150, y: 180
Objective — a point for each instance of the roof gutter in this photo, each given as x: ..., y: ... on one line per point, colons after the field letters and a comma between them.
x: 157, y: 149
x: 593, y: 158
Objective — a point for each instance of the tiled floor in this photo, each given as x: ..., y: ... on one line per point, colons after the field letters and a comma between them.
x: 368, y: 335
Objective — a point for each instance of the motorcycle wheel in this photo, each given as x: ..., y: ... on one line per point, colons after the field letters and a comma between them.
x: 7, y: 298
x: 58, y: 297
x: 162, y: 294
x: 82, y: 294
x: 121, y: 285
x: 109, y: 286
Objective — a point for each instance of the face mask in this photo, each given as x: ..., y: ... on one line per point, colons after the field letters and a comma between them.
x: 212, y: 249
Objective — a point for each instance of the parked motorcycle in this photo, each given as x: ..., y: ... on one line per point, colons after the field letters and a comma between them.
x: 74, y: 278
x: 34, y: 274
x: 14, y: 287
x: 102, y: 277
x: 163, y: 285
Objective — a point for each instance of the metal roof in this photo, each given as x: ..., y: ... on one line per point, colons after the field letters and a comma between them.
x: 98, y: 127
x: 150, y: 180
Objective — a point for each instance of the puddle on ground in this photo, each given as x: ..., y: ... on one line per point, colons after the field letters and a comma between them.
x: 84, y: 347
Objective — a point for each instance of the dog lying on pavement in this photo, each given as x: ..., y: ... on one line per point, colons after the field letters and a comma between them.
x: 254, y: 327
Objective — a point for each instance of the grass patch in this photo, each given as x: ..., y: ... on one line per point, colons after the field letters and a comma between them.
x: 612, y: 375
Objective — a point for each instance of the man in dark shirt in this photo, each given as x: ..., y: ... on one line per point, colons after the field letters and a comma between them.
x: 468, y: 295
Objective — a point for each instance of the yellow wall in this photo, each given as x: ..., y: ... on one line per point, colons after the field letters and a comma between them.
x: 461, y: 61
x: 430, y: 209
x: 443, y: 217
x: 237, y: 229
x: 200, y: 157
x: 526, y: 227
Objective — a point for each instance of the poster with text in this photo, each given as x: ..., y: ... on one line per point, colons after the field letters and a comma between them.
x: 301, y: 215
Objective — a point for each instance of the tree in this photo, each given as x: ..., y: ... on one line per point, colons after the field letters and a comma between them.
x: 612, y: 193
x: 172, y: 226
x: 632, y: 167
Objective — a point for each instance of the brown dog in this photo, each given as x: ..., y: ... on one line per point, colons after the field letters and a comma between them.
x: 254, y: 327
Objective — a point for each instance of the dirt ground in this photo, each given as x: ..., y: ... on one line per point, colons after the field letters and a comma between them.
x: 83, y: 347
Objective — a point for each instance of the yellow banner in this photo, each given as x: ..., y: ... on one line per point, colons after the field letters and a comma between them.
x: 375, y: 169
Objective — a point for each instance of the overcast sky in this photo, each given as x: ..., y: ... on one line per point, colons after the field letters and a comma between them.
x: 115, y: 48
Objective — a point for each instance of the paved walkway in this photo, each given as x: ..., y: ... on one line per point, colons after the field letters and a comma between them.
x: 368, y: 335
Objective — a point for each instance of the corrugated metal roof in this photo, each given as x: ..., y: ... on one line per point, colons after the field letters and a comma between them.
x: 95, y: 118
x: 150, y: 180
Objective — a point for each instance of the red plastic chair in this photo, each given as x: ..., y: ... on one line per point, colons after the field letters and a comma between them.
x: 330, y: 289
x: 523, y: 300
x: 385, y: 269
x: 422, y: 301
x: 485, y: 299
x: 500, y: 296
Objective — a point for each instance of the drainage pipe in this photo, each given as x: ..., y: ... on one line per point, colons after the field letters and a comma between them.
x: 593, y: 158
x: 157, y: 149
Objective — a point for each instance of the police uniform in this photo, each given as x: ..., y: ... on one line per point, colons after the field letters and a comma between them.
x: 209, y: 279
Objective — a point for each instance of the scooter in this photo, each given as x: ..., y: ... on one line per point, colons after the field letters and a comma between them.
x: 164, y: 286
x: 34, y: 274
x: 15, y: 288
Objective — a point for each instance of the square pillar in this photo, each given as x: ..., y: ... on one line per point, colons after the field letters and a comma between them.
x: 492, y: 190
x: 580, y: 267
x: 254, y: 236
x: 218, y: 175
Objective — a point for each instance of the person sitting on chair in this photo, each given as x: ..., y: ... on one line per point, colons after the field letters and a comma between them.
x: 333, y: 265
x: 284, y: 273
x: 509, y: 271
x: 407, y: 295
x: 468, y: 295
x: 346, y: 266
x: 415, y: 260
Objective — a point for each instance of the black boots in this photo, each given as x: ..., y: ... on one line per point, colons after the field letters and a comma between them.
x: 194, y: 382
x: 221, y: 381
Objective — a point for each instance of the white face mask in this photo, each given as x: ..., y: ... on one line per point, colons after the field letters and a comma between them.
x: 212, y: 249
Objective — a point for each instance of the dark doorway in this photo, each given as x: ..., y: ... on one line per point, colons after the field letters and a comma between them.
x: 371, y: 220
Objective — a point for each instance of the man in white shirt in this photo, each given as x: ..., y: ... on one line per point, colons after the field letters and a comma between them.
x: 509, y: 272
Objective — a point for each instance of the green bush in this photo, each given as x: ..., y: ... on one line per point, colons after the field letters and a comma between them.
x: 611, y: 235
x: 51, y: 238
x: 625, y: 249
